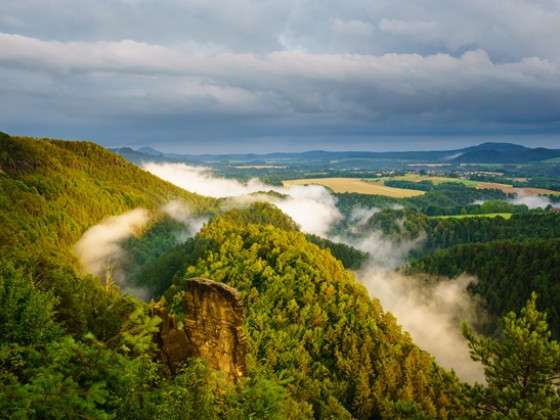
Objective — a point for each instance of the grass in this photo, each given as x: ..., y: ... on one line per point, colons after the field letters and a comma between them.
x: 464, y: 216
x: 354, y: 185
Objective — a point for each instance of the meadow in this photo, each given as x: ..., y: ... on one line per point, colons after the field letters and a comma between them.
x: 354, y: 185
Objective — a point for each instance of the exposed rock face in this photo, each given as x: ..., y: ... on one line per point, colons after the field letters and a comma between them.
x: 211, y: 328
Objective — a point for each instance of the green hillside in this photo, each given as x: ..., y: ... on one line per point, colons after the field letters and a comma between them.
x: 318, y: 345
x: 310, y: 322
x: 507, y: 272
x: 51, y: 191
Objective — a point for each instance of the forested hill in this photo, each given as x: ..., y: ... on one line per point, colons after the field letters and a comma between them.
x: 313, y: 324
x: 71, y: 347
x: 507, y: 271
x: 51, y: 191
x: 317, y: 345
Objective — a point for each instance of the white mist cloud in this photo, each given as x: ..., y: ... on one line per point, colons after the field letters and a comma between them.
x: 312, y: 207
x: 200, y: 180
x: 360, y: 215
x: 100, y: 252
x: 99, y: 249
x: 532, y: 201
x: 431, y: 313
x: 452, y: 157
x: 179, y: 211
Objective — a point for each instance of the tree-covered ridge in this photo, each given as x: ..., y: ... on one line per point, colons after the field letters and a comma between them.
x: 51, y: 191
x: 440, y: 199
x: 350, y: 257
x: 444, y: 233
x: 310, y: 324
x: 507, y: 271
x: 47, y: 373
x: 439, y: 233
x: 71, y: 347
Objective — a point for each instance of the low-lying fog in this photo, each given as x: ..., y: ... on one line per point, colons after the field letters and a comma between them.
x: 431, y: 314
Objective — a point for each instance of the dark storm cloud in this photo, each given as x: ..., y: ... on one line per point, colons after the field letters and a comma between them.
x: 261, y: 73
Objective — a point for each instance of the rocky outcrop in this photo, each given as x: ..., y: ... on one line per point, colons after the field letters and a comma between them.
x: 209, y: 326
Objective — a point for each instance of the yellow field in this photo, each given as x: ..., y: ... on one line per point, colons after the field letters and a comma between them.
x: 508, y: 189
x: 354, y: 185
x: 435, y: 179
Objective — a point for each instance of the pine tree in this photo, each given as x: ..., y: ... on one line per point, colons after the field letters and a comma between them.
x: 522, y: 369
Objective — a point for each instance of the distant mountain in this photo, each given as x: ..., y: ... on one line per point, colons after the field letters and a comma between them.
x: 504, y: 153
x: 150, y: 151
x: 149, y: 155
x: 482, y: 153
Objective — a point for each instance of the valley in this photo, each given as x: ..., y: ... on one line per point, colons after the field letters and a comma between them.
x: 279, y: 210
x: 321, y: 297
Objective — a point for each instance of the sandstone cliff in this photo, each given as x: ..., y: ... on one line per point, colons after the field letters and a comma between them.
x: 209, y: 326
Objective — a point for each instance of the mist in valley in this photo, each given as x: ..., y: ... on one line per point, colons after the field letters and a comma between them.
x: 101, y: 251
x: 431, y: 313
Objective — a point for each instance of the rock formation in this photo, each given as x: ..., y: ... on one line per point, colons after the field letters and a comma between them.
x: 209, y: 326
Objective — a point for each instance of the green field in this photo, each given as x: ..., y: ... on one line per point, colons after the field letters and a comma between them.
x: 464, y: 216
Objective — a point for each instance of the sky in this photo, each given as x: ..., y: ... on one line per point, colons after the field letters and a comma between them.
x: 222, y: 76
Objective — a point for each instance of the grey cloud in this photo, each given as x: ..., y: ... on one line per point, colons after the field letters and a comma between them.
x: 287, y: 81
x: 408, y: 28
x: 190, y: 70
x: 506, y: 28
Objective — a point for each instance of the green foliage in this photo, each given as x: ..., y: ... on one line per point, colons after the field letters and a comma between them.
x: 398, y: 224
x: 346, y: 202
x: 51, y: 191
x: 262, y: 398
x: 157, y: 274
x: 319, y: 347
x: 155, y: 256
x: 194, y: 393
x: 26, y: 315
x: 522, y: 369
x: 70, y: 379
x: 441, y: 199
x: 82, y: 304
x: 137, y: 334
x: 444, y: 233
x: 425, y: 185
x: 351, y: 258
x: 44, y: 374
x: 309, y: 322
x: 507, y: 273
x: 260, y: 213
x: 451, y: 198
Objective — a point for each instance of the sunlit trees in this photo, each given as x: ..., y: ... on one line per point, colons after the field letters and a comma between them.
x: 522, y: 369
x: 312, y: 325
